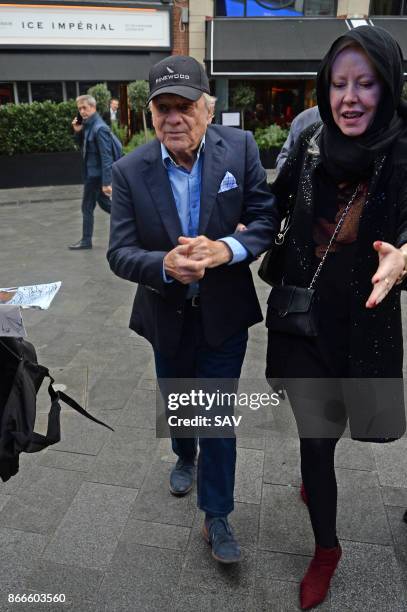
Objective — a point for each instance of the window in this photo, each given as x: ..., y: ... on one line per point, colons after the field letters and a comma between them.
x: 275, y: 8
x: 22, y: 88
x: 46, y: 91
x: 6, y: 93
x: 388, y: 7
x: 85, y: 85
x: 70, y: 88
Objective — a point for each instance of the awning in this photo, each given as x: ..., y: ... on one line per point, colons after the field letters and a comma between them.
x: 270, y: 47
x: 279, y: 47
x: 87, y: 65
x: 397, y: 28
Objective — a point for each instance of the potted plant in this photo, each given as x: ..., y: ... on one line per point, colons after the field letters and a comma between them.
x: 102, y: 96
x: 138, y: 95
x: 242, y: 99
x: 270, y: 140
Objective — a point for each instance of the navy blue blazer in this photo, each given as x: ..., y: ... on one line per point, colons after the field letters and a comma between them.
x: 96, y: 143
x: 145, y: 226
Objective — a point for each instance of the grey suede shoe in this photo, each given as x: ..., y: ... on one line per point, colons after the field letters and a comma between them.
x: 182, y: 477
x: 218, y: 533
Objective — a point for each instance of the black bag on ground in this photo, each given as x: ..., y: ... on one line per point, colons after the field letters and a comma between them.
x: 20, y: 380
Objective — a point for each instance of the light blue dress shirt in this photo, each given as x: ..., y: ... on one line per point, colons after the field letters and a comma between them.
x: 186, y: 188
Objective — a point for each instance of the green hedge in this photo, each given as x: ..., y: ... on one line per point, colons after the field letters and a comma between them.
x: 271, y: 136
x: 44, y: 127
x: 39, y: 127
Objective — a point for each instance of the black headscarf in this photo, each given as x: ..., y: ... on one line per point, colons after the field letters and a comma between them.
x: 350, y: 159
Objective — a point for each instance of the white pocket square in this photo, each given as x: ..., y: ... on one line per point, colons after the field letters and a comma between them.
x: 228, y: 182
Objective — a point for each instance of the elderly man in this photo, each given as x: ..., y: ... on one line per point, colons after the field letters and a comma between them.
x: 177, y: 202
x: 96, y: 144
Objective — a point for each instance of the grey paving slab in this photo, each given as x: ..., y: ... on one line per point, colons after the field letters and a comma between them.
x: 89, y: 532
x: 164, y: 451
x: 361, y: 514
x: 247, y: 441
x: 394, y: 496
x: 245, y: 521
x: 155, y: 502
x: 76, y: 462
x: 281, y: 566
x: 140, y: 410
x: 190, y: 598
x: 249, y: 475
x: 284, y: 521
x: 201, y: 569
x: 282, y: 461
x: 125, y: 442
x: 62, y: 350
x: 140, y: 578
x: 159, y: 535
x: 78, y: 584
x: 125, y: 459
x: 3, y: 500
x: 110, y: 393
x: 19, y: 553
x: 79, y: 435
x: 391, y: 461
x: 281, y: 422
x: 73, y: 381
x: 40, y: 502
x: 367, y: 579
x: 149, y: 547
x: 399, y: 533
x: 354, y: 455
x: 27, y: 464
x: 279, y: 596
x: 127, y: 368
x: 31, y: 195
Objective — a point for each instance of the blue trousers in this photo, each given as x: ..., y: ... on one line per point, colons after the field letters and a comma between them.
x: 217, y: 456
x: 92, y: 195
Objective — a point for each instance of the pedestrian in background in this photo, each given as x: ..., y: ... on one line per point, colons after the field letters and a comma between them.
x: 348, y: 181
x: 112, y: 115
x: 95, y: 140
x: 301, y: 121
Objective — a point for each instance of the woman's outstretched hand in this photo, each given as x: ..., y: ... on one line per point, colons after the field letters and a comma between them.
x: 391, y: 267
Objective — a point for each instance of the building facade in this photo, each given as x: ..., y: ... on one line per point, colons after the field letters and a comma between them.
x: 275, y: 46
x: 51, y: 50
x: 57, y: 50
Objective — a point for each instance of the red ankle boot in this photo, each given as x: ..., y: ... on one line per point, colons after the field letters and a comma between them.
x: 303, y: 494
x: 315, y: 584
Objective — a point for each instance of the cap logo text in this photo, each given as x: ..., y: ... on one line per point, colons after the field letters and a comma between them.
x: 171, y: 77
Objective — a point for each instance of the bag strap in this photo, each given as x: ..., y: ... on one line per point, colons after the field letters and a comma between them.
x: 334, y: 236
x: 39, y: 441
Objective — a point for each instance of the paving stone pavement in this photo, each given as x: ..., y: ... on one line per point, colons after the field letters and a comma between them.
x: 92, y: 517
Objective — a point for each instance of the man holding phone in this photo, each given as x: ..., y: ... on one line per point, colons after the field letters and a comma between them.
x: 96, y: 145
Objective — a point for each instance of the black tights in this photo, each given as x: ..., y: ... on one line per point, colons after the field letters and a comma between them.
x: 318, y: 475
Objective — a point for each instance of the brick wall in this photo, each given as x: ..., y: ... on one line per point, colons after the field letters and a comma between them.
x: 180, y: 39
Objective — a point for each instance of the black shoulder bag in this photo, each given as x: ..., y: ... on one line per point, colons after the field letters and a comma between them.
x: 291, y: 309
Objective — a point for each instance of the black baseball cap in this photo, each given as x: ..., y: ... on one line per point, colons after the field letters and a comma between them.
x: 180, y: 75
